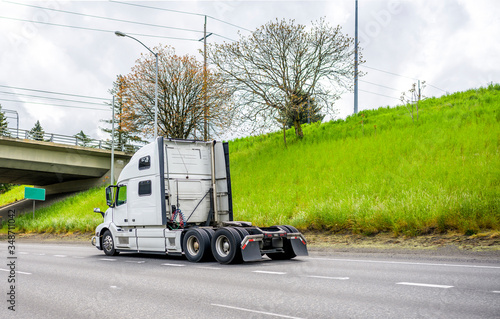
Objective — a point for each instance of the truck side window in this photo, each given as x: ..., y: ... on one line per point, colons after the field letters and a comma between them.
x: 145, y: 162
x: 144, y: 188
x: 121, y: 196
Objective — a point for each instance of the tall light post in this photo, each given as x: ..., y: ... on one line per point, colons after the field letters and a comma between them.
x: 121, y: 34
x: 356, y: 61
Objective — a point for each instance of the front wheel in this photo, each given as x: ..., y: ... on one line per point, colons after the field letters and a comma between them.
x: 108, y: 245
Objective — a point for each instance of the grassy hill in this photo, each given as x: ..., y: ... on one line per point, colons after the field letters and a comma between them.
x: 378, y: 171
x: 374, y: 172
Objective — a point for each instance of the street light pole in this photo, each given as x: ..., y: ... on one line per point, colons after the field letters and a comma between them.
x: 121, y: 34
x: 356, y: 62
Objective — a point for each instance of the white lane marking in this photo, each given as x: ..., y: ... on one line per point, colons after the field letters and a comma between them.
x: 496, y: 292
x: 173, y: 265
x: 61, y: 256
x: 423, y: 285
x: 40, y: 254
x: 406, y: 263
x: 326, y: 277
x: 255, y: 311
x: 22, y: 253
x: 17, y: 272
x: 208, y: 267
x: 269, y: 272
x: 135, y: 262
x: 107, y: 259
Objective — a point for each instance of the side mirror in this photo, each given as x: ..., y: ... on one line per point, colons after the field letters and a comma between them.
x: 109, y: 197
x: 98, y: 210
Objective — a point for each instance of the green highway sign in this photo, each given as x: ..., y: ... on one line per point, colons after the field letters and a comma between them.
x: 34, y: 193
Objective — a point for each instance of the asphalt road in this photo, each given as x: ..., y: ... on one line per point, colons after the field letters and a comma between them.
x: 78, y: 281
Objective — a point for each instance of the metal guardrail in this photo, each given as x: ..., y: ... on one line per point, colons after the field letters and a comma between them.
x: 67, y: 140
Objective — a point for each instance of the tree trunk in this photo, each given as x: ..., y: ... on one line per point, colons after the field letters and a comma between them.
x: 298, y: 129
x: 284, y: 134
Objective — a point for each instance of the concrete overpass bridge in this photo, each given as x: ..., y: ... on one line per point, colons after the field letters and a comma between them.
x: 57, y: 167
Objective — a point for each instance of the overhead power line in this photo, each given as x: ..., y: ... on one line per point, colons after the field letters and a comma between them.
x: 436, y: 87
x: 50, y: 98
x: 104, y: 18
x: 403, y: 76
x: 59, y: 105
x: 392, y: 97
x: 183, y: 12
x: 99, y: 30
x: 380, y: 85
x: 51, y: 92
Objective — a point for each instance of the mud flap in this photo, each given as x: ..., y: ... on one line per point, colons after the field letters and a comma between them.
x: 251, y: 251
x: 299, y: 247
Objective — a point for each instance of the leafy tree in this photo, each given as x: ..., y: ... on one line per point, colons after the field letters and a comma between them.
x: 5, y: 187
x: 303, y: 110
x: 181, y: 96
x: 282, y: 62
x: 83, y: 139
x: 125, y: 129
x: 37, y: 132
x: 3, y: 123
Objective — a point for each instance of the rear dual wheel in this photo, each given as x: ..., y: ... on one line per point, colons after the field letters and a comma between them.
x: 196, y: 245
x: 226, y: 244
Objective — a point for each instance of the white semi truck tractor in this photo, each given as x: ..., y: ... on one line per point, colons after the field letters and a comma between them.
x: 174, y: 198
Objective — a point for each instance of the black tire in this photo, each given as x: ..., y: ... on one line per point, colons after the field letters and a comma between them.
x: 108, y: 244
x: 291, y: 229
x: 287, y: 246
x: 242, y: 231
x: 226, y: 246
x: 196, y: 245
x: 209, y: 256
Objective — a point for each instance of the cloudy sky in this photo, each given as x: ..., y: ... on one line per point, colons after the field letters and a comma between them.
x: 67, y: 51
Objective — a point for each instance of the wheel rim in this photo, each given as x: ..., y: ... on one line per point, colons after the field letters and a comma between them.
x: 107, y: 243
x: 193, y: 245
x: 223, y: 246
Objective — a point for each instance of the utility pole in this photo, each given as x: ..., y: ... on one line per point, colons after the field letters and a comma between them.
x: 356, y: 61
x: 205, y: 106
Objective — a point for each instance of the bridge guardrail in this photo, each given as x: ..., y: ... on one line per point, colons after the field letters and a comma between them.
x: 67, y: 140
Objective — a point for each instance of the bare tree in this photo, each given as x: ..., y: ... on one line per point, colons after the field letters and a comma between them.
x: 180, y: 96
x: 282, y: 62
x: 413, y: 98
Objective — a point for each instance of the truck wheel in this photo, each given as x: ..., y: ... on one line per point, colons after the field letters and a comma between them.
x: 291, y: 229
x: 209, y: 256
x: 242, y: 231
x: 226, y: 246
x: 108, y: 245
x: 196, y: 245
x: 287, y: 246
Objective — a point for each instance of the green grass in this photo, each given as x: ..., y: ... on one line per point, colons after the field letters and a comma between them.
x: 379, y: 172
x: 73, y: 214
x: 12, y: 195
